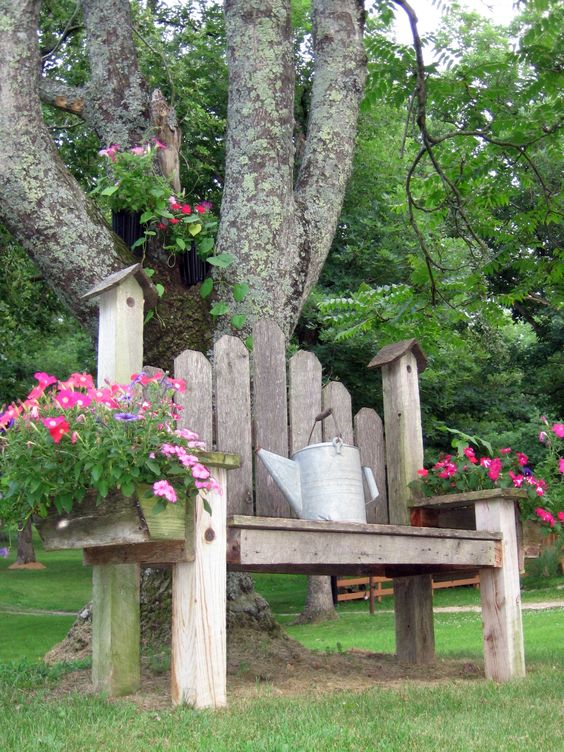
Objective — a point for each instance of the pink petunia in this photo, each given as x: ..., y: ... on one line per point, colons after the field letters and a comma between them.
x: 558, y: 429
x: 186, y: 209
x: 560, y: 516
x: 494, y: 469
x: 138, y: 151
x: 522, y: 459
x: 44, y: 378
x: 200, y: 471
x: 83, y: 380
x: 517, y: 479
x: 561, y: 465
x: 159, y: 144
x: 470, y: 455
x: 506, y: 450
x: 423, y: 472
x: 67, y: 399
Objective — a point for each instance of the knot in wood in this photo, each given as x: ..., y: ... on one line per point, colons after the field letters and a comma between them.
x: 209, y: 535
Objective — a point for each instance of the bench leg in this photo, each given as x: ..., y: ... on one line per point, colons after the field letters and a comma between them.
x: 500, y: 593
x: 413, y: 604
x: 199, y: 642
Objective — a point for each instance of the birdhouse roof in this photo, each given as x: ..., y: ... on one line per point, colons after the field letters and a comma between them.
x: 391, y: 353
x: 136, y: 270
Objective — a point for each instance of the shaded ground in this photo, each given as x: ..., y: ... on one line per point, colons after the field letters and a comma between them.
x: 280, y: 666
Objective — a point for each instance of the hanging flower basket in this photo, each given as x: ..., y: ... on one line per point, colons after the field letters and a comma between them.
x: 127, y: 225
x: 192, y: 268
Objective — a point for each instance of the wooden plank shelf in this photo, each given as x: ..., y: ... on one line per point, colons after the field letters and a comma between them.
x: 263, y: 544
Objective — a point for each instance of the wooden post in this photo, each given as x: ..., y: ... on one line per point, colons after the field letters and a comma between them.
x: 199, y: 647
x: 504, y: 655
x: 115, y: 596
x: 413, y: 596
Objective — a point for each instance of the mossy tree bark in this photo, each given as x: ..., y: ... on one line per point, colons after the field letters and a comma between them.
x: 276, y: 219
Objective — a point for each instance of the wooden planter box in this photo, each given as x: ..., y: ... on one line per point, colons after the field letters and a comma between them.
x: 118, y: 520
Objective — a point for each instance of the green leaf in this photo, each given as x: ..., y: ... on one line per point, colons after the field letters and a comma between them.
x: 205, y: 245
x: 160, y: 289
x: 153, y: 466
x: 149, y: 272
x: 219, y: 309
x: 97, y: 472
x: 149, y: 316
x: 222, y: 260
x: 240, y: 291
x: 127, y: 488
x: 138, y: 242
x: 110, y: 190
x: 206, y: 287
x: 194, y: 229
x: 146, y: 217
x: 206, y: 504
x: 249, y: 343
x: 181, y: 244
x: 238, y: 321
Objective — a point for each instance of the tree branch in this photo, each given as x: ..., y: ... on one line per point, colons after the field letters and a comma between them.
x: 338, y: 85
x: 67, y: 98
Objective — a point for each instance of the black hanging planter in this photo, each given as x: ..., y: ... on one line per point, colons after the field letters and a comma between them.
x: 193, y: 269
x: 128, y: 226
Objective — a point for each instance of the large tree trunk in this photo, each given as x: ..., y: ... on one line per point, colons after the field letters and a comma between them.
x: 25, y: 557
x: 279, y: 229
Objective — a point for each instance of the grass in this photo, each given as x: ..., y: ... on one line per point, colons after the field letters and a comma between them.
x: 464, y: 715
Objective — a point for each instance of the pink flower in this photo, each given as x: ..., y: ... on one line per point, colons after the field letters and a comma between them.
x: 545, y: 516
x: 174, y: 220
x: 560, y: 516
x: 161, y: 226
x: 83, y: 380
x: 200, y: 208
x: 507, y: 450
x: 163, y: 488
x: 561, y: 465
x: 423, y: 472
x: 159, y: 144
x: 185, y: 433
x: 543, y: 436
x: 200, y: 471
x: 139, y: 151
x: 186, y: 209
x: 558, y: 429
x: 176, y: 206
x: 44, y: 378
x: 517, y: 479
x: 178, y: 384
x: 110, y: 152
x: 469, y: 454
x: 495, y: 469
x: 67, y: 399
x: 485, y: 461
x: 522, y: 459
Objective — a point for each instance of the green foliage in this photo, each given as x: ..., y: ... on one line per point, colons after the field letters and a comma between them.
x: 35, y: 330
x: 68, y: 438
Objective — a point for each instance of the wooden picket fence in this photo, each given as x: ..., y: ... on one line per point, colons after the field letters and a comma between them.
x: 245, y: 402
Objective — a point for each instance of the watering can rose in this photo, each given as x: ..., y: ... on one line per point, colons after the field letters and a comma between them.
x: 69, y: 437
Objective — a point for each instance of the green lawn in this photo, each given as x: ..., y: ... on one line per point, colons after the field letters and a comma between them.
x: 470, y: 715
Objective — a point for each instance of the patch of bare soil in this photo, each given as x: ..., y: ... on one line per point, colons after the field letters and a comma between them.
x: 263, y: 665
x: 29, y: 565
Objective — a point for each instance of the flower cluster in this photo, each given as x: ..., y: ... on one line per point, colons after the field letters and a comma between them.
x: 68, y: 437
x: 507, y: 468
x: 131, y: 183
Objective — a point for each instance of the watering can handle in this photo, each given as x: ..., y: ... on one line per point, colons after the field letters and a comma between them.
x: 371, y: 481
x: 322, y: 416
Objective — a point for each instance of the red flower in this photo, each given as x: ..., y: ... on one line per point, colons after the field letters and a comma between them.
x: 186, y: 209
x: 57, y: 427
x: 175, y: 206
x: 174, y: 221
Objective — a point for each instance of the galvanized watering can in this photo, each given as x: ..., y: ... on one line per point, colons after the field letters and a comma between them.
x: 323, y: 481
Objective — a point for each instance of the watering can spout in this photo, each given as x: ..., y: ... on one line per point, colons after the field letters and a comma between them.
x: 286, y: 475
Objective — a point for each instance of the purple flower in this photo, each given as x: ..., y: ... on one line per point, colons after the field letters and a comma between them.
x: 4, y: 552
x: 126, y: 416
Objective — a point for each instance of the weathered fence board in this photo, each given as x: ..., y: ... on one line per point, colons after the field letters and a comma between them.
x: 305, y: 399
x: 369, y: 437
x: 270, y: 407
x: 233, y: 418
x: 336, y: 396
x: 196, y: 401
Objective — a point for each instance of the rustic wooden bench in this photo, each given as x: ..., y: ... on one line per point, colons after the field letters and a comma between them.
x: 251, y: 526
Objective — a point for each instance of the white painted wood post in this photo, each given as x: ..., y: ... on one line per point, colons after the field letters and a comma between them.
x: 199, y: 642
x: 504, y: 653
x: 115, y: 596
